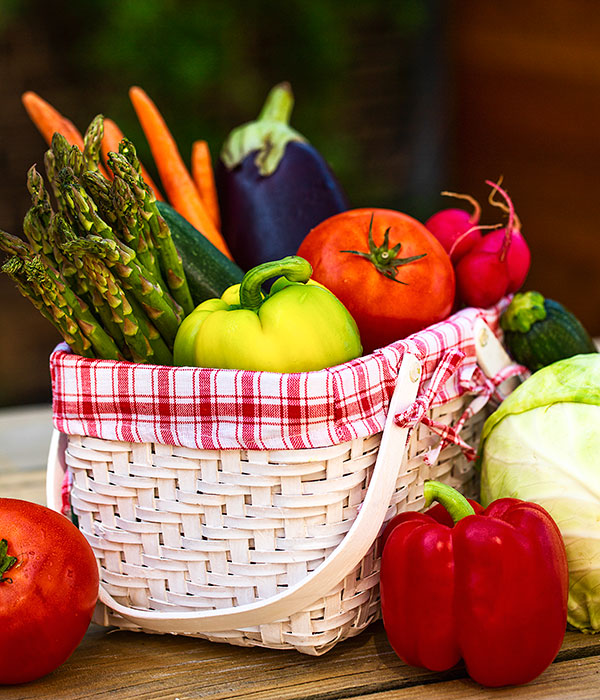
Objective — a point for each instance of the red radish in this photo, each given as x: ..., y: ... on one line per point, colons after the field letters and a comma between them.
x: 497, y: 264
x: 481, y: 278
x: 456, y: 229
x: 518, y: 256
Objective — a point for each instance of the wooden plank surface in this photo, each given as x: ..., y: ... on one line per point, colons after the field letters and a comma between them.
x: 128, y: 665
x: 118, y: 664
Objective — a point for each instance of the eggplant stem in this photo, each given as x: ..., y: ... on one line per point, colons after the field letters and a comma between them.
x: 279, y: 104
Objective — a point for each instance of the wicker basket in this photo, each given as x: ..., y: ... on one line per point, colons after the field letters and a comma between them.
x: 257, y: 548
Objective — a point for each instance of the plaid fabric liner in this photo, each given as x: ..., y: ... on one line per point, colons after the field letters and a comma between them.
x: 239, y: 409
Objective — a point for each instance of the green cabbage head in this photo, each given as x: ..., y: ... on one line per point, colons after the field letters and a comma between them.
x: 543, y: 445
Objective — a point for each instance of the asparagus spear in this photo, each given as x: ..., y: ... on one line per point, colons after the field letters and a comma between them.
x: 122, y: 314
x: 39, y: 195
x: 38, y: 219
x: 92, y: 143
x: 36, y: 232
x: 132, y: 226
x: 161, y: 354
x: 109, y: 289
x: 15, y: 268
x: 100, y: 190
x: 52, y: 288
x: 52, y: 174
x: 149, y: 295
x: 162, y: 310
x: 59, y: 232
x: 75, y: 161
x: 57, y: 292
x: 99, y: 256
x: 13, y: 245
x: 78, y: 268
x: 61, y: 149
x: 168, y: 255
x: 73, y: 272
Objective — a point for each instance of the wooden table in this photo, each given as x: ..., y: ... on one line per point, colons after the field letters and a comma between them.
x: 120, y: 665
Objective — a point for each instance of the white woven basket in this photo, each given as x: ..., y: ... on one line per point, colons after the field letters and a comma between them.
x: 256, y: 548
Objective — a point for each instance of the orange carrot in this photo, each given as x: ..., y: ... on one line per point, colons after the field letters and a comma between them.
x: 110, y: 142
x: 177, y: 181
x: 204, y: 177
x: 48, y: 120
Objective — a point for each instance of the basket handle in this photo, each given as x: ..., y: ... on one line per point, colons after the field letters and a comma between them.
x: 338, y: 564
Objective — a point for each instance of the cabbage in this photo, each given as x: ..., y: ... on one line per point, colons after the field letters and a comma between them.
x: 543, y: 445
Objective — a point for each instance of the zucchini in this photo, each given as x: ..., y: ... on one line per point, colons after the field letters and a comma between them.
x: 207, y: 270
x: 540, y: 331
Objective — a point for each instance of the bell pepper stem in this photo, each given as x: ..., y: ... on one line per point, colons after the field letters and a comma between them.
x: 278, y: 105
x: 293, y: 268
x: 454, y: 502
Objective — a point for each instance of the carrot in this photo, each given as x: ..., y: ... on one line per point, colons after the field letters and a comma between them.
x: 110, y: 142
x: 177, y: 181
x: 49, y: 120
x: 204, y: 177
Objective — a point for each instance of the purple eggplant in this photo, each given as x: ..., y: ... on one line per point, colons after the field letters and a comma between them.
x: 273, y: 186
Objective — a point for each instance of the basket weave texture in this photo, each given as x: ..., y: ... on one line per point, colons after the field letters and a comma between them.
x: 175, y: 528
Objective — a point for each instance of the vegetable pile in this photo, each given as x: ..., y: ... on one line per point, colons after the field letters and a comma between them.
x: 264, y: 266
x: 117, y: 266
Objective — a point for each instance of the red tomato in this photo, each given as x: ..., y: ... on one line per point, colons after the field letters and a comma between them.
x: 389, y: 299
x: 48, y: 594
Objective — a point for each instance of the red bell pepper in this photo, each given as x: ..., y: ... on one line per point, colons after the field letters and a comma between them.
x: 490, y: 587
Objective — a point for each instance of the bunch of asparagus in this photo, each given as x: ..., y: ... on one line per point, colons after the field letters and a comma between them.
x: 99, y: 261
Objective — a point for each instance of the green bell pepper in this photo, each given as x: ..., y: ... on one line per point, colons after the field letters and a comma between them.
x: 299, y: 326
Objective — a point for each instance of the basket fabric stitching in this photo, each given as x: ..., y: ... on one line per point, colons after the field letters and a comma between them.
x: 205, y: 408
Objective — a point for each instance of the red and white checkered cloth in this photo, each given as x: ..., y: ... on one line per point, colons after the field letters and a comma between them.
x: 239, y: 409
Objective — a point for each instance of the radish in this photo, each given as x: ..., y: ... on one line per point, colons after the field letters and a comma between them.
x: 497, y: 264
x: 456, y: 229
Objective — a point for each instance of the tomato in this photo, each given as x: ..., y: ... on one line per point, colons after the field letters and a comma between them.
x: 390, y: 272
x: 47, y: 592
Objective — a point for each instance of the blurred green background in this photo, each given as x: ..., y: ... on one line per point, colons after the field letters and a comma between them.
x: 209, y: 65
x: 404, y: 99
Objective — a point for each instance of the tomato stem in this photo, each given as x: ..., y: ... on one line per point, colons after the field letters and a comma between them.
x: 383, y: 257
x: 6, y: 561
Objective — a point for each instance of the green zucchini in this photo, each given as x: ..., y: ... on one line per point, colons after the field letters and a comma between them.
x: 540, y: 331
x: 209, y: 273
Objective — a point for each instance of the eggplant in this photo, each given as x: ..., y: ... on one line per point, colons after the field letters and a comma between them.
x: 273, y: 185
